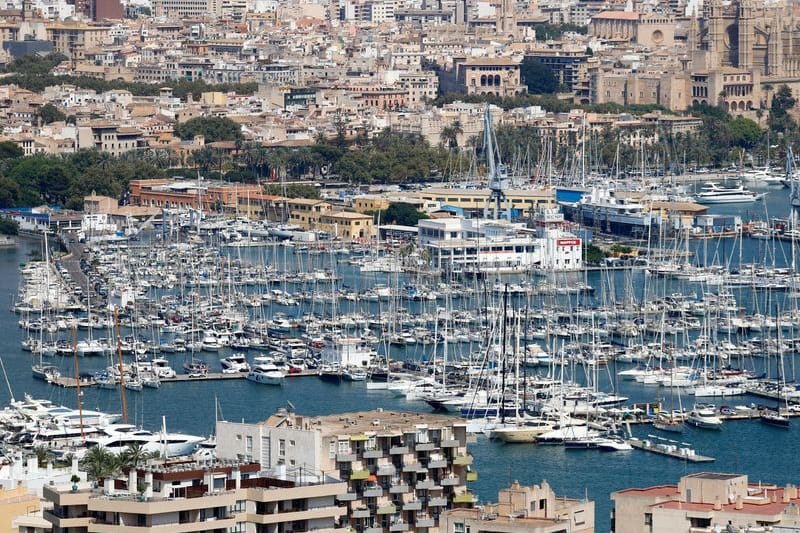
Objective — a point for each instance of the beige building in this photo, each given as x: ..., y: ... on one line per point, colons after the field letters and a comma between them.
x: 21, y: 511
x: 489, y: 75
x: 519, y: 509
x: 319, y: 215
x: 474, y: 200
x: 403, y: 470
x: 706, y: 502
x: 650, y: 29
x: 110, y: 137
x: 73, y: 39
x: 192, y: 497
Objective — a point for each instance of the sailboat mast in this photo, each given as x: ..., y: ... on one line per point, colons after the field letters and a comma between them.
x: 121, y: 369
x: 77, y: 377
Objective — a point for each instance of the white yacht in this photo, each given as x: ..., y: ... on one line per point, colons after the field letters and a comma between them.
x: 234, y: 364
x: 714, y: 194
x: 118, y: 436
x: 704, y: 417
x: 267, y: 374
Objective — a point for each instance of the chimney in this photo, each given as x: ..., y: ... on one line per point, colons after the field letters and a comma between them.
x: 132, y: 480
x: 74, y: 469
x: 108, y: 486
x: 739, y: 503
x: 49, y: 469
x: 775, y: 496
x: 237, y: 477
x: 717, y: 504
x: 148, y: 484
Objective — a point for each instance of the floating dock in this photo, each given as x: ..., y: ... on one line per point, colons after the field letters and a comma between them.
x: 669, y: 448
x: 71, y: 382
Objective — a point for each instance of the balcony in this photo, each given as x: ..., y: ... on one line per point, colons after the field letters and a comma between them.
x: 426, y: 522
x: 426, y: 446
x: 345, y: 457
x: 387, y: 509
x: 437, y: 502
x: 360, y: 513
x: 372, y: 454
x: 472, y: 476
x: 373, y: 530
x: 463, y: 460
x: 347, y: 497
x: 386, y: 470
x: 398, y: 450
x: 359, y: 475
x: 413, y: 467
x: 451, y: 481
x: 398, y: 526
x: 425, y: 484
x: 449, y: 443
x: 437, y: 463
x: 414, y: 505
x: 398, y: 489
x: 373, y: 492
x: 467, y: 497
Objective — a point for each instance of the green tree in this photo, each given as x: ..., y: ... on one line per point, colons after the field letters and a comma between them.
x: 49, y: 113
x: 212, y: 128
x: 293, y: 190
x: 779, y: 118
x: 538, y: 77
x: 402, y: 214
x: 744, y: 132
x: 449, y: 135
x: 8, y: 227
x: 10, y: 150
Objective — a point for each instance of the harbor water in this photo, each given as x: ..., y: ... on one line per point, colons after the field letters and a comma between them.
x: 746, y: 446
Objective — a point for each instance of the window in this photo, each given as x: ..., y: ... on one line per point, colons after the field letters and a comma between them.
x: 344, y: 447
x: 291, y: 443
x: 458, y: 527
x: 648, y: 519
x: 282, y: 447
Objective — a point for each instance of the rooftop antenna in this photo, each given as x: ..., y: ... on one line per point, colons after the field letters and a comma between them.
x: 498, y: 177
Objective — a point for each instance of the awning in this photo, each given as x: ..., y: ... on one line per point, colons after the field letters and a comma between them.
x: 387, y: 509
x: 359, y: 475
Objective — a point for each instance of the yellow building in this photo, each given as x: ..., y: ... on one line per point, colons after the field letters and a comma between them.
x: 19, y: 509
x: 305, y: 212
x: 347, y: 225
x: 370, y: 203
x: 475, y: 199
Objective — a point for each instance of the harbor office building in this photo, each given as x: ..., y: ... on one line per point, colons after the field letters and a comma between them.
x: 707, y: 501
x: 477, y: 246
x: 403, y: 470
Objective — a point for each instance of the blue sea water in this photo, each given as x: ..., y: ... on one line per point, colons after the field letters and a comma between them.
x: 763, y: 453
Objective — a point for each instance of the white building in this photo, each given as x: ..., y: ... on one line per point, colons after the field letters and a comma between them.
x: 473, y: 246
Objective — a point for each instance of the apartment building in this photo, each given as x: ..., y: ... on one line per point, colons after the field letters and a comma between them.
x: 187, y: 497
x: 520, y: 509
x: 190, y: 193
x: 402, y: 469
x: 706, y: 501
x: 73, y: 39
x: 110, y: 137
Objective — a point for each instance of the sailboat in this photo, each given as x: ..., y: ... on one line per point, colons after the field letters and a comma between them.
x: 40, y: 370
x: 769, y: 417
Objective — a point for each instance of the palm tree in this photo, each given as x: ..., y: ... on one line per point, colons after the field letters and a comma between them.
x: 135, y: 455
x: 99, y: 463
x: 450, y: 135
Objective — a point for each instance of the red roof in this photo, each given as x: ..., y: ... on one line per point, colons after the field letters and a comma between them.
x: 617, y: 15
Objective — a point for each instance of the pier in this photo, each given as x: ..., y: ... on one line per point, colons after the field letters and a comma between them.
x: 71, y: 382
x: 669, y: 448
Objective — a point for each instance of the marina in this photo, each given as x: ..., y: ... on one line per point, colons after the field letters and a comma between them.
x: 576, y: 352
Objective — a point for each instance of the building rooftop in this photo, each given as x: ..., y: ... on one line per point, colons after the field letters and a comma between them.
x: 498, y: 521
x: 376, y: 421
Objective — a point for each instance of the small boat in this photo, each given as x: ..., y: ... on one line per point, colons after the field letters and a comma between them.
x: 704, y: 417
x: 528, y: 431
x: 266, y: 374
x: 665, y: 422
x: 613, y: 444
x: 195, y: 369
x: 234, y: 364
x: 354, y: 374
x: 774, y: 418
x: 331, y: 373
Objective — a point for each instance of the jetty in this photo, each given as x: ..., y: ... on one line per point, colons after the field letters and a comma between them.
x: 669, y: 448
